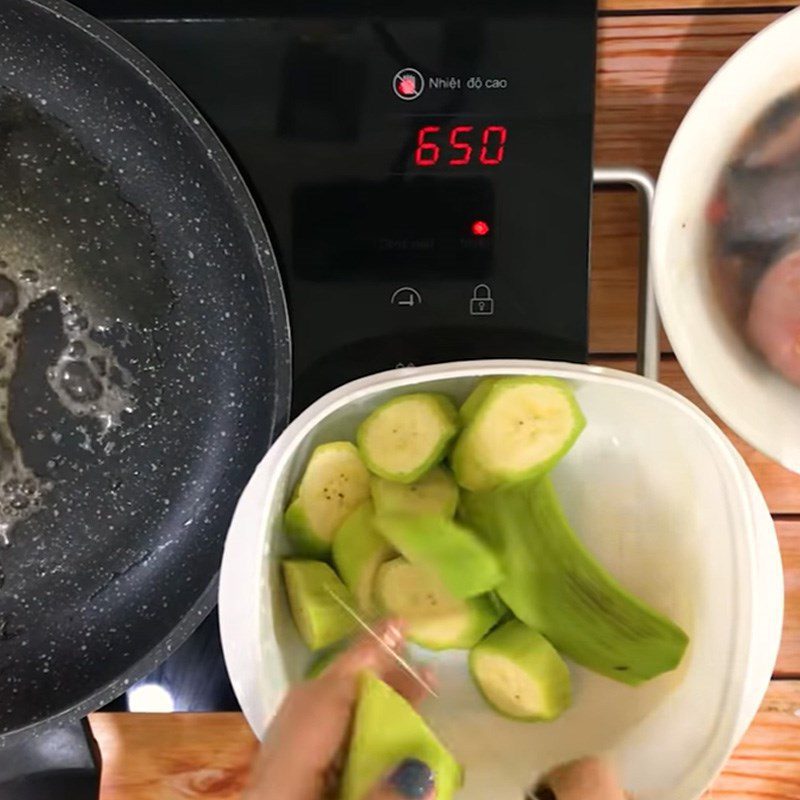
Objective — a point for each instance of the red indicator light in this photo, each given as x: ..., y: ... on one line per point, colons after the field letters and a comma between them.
x: 407, y: 85
x: 480, y: 228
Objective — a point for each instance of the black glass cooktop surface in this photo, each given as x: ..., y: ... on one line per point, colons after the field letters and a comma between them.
x: 424, y: 170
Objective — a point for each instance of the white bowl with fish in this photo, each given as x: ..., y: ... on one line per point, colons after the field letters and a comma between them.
x: 725, y: 242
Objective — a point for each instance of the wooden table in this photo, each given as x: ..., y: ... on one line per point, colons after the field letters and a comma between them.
x: 654, y: 57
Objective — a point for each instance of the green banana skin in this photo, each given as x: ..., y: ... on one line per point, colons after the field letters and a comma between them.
x: 553, y: 584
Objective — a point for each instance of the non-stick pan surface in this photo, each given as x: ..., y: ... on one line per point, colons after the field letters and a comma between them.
x: 128, y: 217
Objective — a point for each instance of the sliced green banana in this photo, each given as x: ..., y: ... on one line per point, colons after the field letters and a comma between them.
x: 358, y: 551
x: 476, y: 397
x: 436, y: 492
x: 402, y: 439
x: 386, y: 732
x: 519, y: 431
x: 520, y: 674
x: 335, y: 482
x: 553, y: 584
x: 436, y: 619
x: 320, y: 620
x: 465, y: 565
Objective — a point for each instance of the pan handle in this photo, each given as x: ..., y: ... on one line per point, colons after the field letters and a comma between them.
x: 57, y: 760
x: 648, y: 351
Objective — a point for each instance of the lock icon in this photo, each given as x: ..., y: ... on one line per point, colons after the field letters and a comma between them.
x: 482, y: 302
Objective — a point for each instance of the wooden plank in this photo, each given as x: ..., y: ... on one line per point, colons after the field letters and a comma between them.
x: 780, y: 486
x: 767, y: 762
x: 171, y: 756
x: 637, y: 6
x: 614, y: 284
x: 650, y: 69
x: 789, y: 657
x: 612, y: 296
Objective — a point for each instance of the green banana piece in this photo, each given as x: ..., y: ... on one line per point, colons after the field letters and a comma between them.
x: 475, y: 399
x: 406, y: 436
x: 320, y: 619
x: 517, y: 428
x: 436, y: 492
x: 554, y: 585
x: 435, y: 619
x: 465, y: 565
x: 334, y: 483
x: 520, y: 674
x: 358, y: 552
x: 386, y: 731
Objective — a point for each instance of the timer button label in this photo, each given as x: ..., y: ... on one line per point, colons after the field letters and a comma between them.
x: 408, y: 83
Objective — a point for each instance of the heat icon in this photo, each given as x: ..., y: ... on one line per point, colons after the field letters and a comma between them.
x: 408, y: 84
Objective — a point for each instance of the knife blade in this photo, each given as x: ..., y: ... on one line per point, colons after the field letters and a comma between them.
x: 396, y: 656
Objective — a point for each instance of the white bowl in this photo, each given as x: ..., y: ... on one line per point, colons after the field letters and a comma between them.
x: 664, y: 501
x: 756, y: 402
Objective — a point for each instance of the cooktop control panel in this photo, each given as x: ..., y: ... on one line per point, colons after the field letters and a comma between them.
x: 425, y: 175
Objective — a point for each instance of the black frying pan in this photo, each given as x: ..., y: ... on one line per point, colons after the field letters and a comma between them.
x: 123, y: 202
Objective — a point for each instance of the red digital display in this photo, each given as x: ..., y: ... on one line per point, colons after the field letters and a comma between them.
x: 460, y: 145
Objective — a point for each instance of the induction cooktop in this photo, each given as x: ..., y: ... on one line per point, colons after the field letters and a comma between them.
x: 424, y: 171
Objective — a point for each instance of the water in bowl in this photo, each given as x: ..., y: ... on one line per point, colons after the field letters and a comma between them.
x: 755, y: 222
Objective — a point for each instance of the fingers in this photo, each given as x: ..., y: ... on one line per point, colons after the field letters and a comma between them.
x: 367, y: 653
x: 411, y: 780
x: 585, y: 779
x: 310, y: 731
x: 407, y: 685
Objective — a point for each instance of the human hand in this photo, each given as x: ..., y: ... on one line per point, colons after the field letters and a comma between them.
x: 585, y: 779
x: 301, y: 755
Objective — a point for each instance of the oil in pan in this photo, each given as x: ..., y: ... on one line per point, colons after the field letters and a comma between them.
x: 67, y: 237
